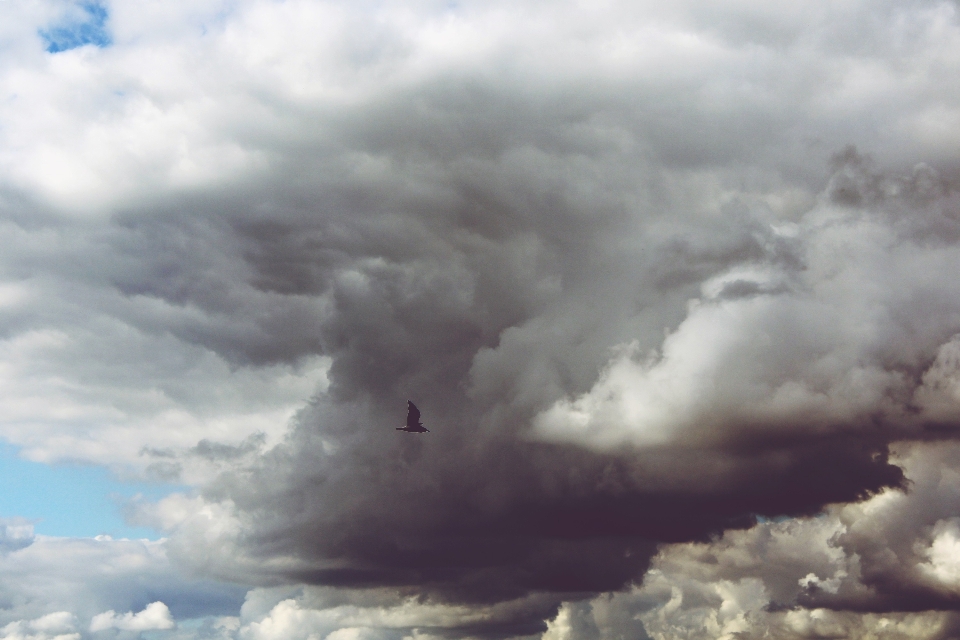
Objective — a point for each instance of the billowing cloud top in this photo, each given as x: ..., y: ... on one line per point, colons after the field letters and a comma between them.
x: 648, y: 270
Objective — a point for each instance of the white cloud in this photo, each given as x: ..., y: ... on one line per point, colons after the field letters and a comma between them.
x: 347, y: 614
x: 155, y: 615
x: 15, y: 534
x: 100, y: 386
x: 944, y: 554
x: 87, y: 576
x: 809, y: 345
x: 60, y: 625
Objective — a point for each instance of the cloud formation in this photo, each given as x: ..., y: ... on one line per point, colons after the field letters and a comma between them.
x: 86, y: 577
x: 155, y: 615
x: 60, y: 625
x: 648, y: 271
x: 818, y: 333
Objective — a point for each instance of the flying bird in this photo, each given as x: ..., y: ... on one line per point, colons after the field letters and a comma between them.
x: 413, y: 420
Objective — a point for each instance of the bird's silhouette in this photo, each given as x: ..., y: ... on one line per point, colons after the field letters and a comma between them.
x: 413, y: 420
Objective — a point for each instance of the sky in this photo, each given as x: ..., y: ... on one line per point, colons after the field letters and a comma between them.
x: 672, y: 285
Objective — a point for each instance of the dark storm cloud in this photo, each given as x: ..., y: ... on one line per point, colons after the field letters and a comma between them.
x: 483, y: 268
x: 905, y: 546
x: 422, y: 296
x: 885, y: 567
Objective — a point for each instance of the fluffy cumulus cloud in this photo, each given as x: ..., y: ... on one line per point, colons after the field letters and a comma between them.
x: 53, y: 626
x: 671, y: 284
x: 55, y: 586
x: 155, y: 615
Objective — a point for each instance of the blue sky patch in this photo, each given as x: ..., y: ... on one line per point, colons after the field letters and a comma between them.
x: 71, y: 500
x: 85, y: 24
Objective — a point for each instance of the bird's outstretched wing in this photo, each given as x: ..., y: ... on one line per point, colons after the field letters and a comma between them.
x: 413, y: 415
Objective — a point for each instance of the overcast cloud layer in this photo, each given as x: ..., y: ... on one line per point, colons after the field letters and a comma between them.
x: 650, y: 272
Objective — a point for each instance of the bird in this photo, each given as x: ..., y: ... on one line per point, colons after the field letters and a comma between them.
x: 413, y: 420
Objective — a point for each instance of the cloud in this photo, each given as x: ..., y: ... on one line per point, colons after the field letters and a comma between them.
x: 486, y: 274
x: 15, y: 534
x: 626, y: 258
x: 89, y: 576
x: 380, y: 613
x: 155, y: 615
x: 60, y: 625
x: 71, y: 395
x: 881, y: 568
x: 487, y: 510
x: 815, y: 336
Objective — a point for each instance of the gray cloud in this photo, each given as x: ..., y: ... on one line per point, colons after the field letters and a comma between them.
x: 885, y: 567
x: 628, y: 262
x: 482, y: 511
x: 485, y: 270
